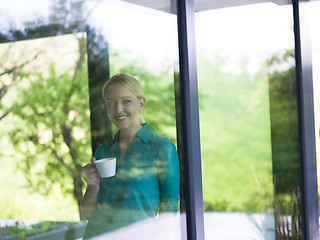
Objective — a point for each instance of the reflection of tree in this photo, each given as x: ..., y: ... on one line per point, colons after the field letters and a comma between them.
x: 54, y: 108
x: 10, y: 75
x: 54, y: 134
x: 98, y: 69
x: 285, y: 146
x: 284, y: 122
x: 66, y: 16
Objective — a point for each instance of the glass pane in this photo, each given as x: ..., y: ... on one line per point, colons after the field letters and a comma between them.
x: 45, y: 118
x: 55, y: 60
x: 147, y: 178
x: 248, y: 118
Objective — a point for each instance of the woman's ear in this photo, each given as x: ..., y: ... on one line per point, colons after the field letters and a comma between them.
x: 142, y: 101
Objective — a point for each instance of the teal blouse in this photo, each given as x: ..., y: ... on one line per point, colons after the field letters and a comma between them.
x: 147, y: 175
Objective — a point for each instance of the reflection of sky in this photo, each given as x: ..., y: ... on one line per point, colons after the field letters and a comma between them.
x: 254, y: 31
x: 137, y: 31
x: 20, y: 11
x: 257, y: 30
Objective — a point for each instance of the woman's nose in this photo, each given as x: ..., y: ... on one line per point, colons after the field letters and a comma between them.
x: 119, y: 107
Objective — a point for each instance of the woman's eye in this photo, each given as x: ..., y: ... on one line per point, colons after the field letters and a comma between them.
x: 126, y: 101
x: 110, y: 103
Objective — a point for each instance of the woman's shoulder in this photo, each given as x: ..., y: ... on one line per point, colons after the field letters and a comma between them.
x: 155, y: 138
x: 105, y: 144
x: 164, y: 148
x: 104, y: 147
x: 161, y: 140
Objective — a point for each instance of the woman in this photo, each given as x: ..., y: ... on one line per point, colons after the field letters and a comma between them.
x: 147, y: 175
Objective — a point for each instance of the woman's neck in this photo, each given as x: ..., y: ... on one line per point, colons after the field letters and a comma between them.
x: 129, y: 135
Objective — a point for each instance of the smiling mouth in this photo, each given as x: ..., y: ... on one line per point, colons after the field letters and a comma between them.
x: 121, y: 118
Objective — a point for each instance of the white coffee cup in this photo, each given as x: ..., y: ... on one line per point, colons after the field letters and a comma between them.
x: 106, y: 167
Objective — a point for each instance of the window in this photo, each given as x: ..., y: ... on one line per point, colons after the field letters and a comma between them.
x: 54, y: 116
x: 248, y: 69
x: 248, y: 118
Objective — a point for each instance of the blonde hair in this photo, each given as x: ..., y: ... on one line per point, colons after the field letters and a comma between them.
x: 129, y: 82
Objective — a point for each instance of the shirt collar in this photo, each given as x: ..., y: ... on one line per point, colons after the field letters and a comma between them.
x: 144, y: 133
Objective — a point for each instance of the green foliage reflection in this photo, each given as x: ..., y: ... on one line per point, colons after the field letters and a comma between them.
x: 52, y: 136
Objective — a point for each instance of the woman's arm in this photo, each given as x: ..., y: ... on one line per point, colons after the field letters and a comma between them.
x: 88, y: 204
x: 169, y: 177
x: 169, y: 182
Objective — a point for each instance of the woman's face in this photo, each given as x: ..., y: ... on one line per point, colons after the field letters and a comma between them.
x: 123, y: 106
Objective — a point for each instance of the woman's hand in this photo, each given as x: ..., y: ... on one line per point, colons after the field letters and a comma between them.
x: 90, y: 173
x: 88, y: 204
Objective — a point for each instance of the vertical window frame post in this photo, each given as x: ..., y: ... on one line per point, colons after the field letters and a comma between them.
x: 303, y: 54
x: 191, y: 152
